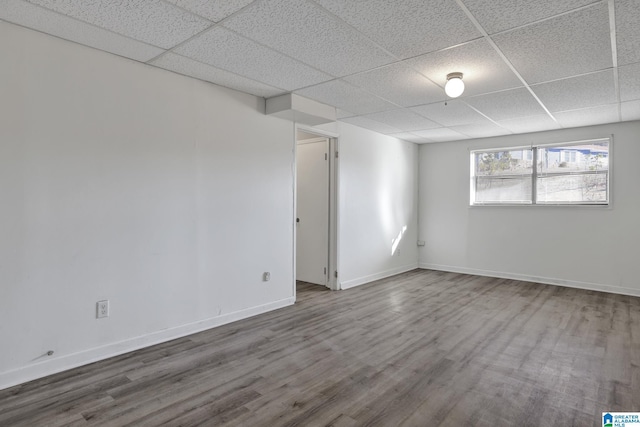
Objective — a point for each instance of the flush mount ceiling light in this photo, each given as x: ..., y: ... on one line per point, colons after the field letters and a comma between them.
x: 454, y: 86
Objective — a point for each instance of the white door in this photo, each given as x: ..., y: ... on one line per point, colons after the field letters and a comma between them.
x: 312, y: 241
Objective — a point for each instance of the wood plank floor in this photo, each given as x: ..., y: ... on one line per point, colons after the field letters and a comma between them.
x: 423, y: 348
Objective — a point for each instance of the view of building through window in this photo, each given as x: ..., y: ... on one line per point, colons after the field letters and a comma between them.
x: 503, y: 176
x: 568, y: 173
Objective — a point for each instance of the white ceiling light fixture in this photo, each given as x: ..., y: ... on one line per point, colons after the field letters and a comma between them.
x: 454, y: 86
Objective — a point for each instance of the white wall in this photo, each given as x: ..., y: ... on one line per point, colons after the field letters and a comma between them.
x: 587, y: 247
x: 166, y: 195
x: 378, y: 197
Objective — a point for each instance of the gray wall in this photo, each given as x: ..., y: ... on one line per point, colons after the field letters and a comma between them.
x: 163, y: 194
x: 378, y: 205
x: 587, y: 247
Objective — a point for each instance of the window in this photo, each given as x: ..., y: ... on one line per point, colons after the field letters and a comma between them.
x: 573, y: 173
x: 502, y: 176
x: 568, y: 156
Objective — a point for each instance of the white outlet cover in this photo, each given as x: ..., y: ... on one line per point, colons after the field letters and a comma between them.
x: 102, y: 309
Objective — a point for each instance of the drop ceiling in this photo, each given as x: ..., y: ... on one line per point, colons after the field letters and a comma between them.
x: 528, y: 65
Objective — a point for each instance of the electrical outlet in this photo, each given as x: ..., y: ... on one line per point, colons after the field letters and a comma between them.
x: 102, y: 309
x: 266, y: 276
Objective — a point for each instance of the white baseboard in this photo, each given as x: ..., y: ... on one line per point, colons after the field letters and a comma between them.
x: 377, y: 276
x: 66, y: 362
x: 537, y: 279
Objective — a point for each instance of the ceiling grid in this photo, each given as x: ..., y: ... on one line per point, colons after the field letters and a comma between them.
x: 614, y: 53
x: 528, y: 66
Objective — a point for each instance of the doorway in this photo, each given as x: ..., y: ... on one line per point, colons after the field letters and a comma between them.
x: 316, y: 237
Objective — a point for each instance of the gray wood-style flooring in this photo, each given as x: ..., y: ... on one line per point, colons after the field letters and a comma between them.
x: 423, y: 348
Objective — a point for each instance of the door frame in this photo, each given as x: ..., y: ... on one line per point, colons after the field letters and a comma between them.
x: 317, y: 259
x: 333, y: 282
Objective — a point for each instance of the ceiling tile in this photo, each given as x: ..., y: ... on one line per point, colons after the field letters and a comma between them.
x: 628, y: 36
x: 629, y: 78
x: 401, y: 25
x: 49, y: 22
x: 530, y: 124
x: 212, y: 10
x: 151, y: 21
x: 407, y: 136
x: 189, y: 67
x: 383, y: 54
x: 347, y: 97
x: 224, y: 49
x: 588, y: 116
x: 441, y: 135
x: 484, y: 70
x: 403, y: 119
x: 342, y: 114
x: 309, y: 34
x: 373, y: 125
x: 578, y: 92
x: 571, y: 44
x: 481, y: 130
x: 500, y: 15
x: 507, y: 104
x: 454, y: 113
x: 630, y: 110
x: 398, y: 84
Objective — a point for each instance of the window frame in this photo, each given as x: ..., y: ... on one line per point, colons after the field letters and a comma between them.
x: 535, y: 174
